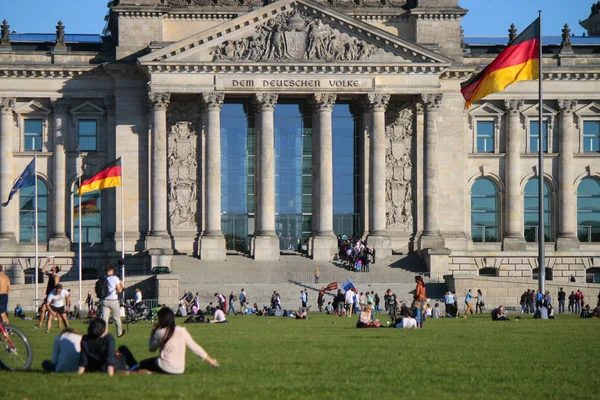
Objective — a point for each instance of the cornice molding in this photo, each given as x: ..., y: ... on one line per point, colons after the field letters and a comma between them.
x: 553, y: 75
x: 49, y: 71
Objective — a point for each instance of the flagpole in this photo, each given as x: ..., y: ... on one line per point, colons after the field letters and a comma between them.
x: 80, y: 242
x: 122, y: 231
x: 37, y: 255
x: 541, y: 230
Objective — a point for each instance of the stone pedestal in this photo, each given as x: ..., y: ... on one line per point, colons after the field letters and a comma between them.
x: 382, y: 244
x: 567, y: 243
x: 160, y: 258
x: 324, y: 248
x: 437, y: 261
x: 213, y: 248
x: 514, y: 244
x: 432, y: 242
x: 266, y: 248
x: 167, y: 288
x: 154, y: 241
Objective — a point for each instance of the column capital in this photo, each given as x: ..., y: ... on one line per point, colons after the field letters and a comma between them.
x: 61, y: 105
x: 323, y: 101
x: 514, y: 106
x: 7, y: 104
x: 265, y: 101
x: 567, y: 106
x: 159, y: 100
x: 377, y: 101
x: 213, y: 101
x: 431, y: 101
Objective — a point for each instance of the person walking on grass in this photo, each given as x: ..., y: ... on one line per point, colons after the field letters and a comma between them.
x: 303, y: 298
x: 232, y: 300
x: 243, y: 297
x: 349, y: 301
x: 561, y: 301
x: 339, y: 301
x: 480, y: 303
x: 468, y: 305
x: 421, y: 297
x: 110, y: 304
x: 171, y: 341
x: 57, y: 304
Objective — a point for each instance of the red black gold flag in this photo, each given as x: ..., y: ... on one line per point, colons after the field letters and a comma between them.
x: 88, y: 207
x: 108, y: 176
x: 331, y: 286
x: 517, y: 62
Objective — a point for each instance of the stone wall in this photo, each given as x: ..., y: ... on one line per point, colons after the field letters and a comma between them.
x: 508, y: 290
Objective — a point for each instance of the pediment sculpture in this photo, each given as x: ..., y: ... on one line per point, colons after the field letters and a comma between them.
x: 293, y: 36
x: 260, y: 3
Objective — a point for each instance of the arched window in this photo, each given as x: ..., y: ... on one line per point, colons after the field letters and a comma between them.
x: 532, y: 211
x: 588, y: 210
x: 91, y: 218
x: 27, y: 213
x: 484, y: 211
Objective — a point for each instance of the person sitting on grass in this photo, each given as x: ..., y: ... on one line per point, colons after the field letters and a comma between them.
x: 329, y: 308
x: 407, y: 321
x: 19, y: 312
x: 219, y: 317
x: 365, y: 319
x: 98, y: 351
x: 171, y: 341
x: 585, y: 313
x: 498, y: 314
x: 66, y: 352
x: 436, y: 312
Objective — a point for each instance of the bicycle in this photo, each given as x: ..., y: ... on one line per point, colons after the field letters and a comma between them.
x: 15, y: 350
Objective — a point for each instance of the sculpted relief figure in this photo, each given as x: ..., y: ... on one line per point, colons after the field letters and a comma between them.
x: 294, y: 36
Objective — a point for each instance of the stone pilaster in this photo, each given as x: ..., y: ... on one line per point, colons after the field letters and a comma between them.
x: 266, y: 242
x: 567, y: 198
x: 431, y: 238
x: 159, y: 237
x: 58, y: 240
x: 212, y: 243
x: 8, y: 220
x: 324, y: 242
x: 513, y: 232
x: 378, y: 238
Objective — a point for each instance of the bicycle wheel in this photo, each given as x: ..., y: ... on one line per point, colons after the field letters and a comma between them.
x: 15, y: 351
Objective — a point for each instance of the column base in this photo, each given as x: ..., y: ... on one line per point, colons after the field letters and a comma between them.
x: 324, y: 248
x: 567, y: 243
x: 514, y: 244
x: 155, y: 240
x: 160, y: 258
x: 213, y: 248
x: 59, y: 243
x: 437, y: 261
x: 431, y: 241
x: 382, y: 244
x: 266, y: 248
x: 8, y: 241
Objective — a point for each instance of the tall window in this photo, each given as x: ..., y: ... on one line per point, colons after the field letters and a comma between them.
x: 237, y: 176
x: 534, y: 136
x: 484, y: 211
x: 591, y: 136
x: 27, y: 213
x: 588, y: 210
x: 91, y: 218
x: 532, y: 211
x: 485, y: 136
x: 33, y: 135
x: 346, y: 177
x: 87, y: 134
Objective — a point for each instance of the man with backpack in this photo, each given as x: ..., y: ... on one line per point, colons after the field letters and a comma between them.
x: 108, y: 289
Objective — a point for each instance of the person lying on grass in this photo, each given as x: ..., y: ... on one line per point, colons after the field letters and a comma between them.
x: 300, y: 314
x: 365, y: 319
x: 172, y: 341
x: 98, y: 351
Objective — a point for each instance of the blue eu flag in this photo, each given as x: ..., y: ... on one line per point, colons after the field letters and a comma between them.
x: 26, y: 179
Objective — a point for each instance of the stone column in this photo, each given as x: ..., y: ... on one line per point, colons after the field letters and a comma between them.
x: 212, y: 243
x: 324, y: 241
x: 567, y: 226
x: 159, y: 236
x: 513, y: 233
x: 431, y: 238
x: 378, y: 237
x: 58, y: 240
x: 8, y: 220
x: 266, y: 242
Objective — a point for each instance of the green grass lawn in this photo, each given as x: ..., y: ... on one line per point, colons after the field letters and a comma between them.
x: 327, y: 357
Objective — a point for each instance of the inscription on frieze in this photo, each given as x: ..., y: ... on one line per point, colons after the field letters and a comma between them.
x: 291, y: 84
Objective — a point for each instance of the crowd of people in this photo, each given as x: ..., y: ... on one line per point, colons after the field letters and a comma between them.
x: 355, y: 255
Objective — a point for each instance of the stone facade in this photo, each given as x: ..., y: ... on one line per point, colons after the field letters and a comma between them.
x: 156, y: 87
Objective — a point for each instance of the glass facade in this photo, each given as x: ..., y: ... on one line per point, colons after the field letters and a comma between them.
x: 87, y: 134
x: 588, y: 210
x: 591, y: 136
x: 91, y: 218
x: 534, y: 136
x: 346, y: 173
x: 237, y: 175
x: 532, y: 211
x: 33, y: 135
x: 484, y: 211
x: 293, y: 175
x: 27, y: 213
x: 485, y: 136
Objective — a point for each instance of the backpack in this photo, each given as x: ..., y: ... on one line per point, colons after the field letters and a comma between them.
x: 101, y: 288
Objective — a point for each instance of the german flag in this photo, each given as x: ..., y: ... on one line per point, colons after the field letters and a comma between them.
x: 88, y: 207
x: 518, y: 62
x: 108, y: 176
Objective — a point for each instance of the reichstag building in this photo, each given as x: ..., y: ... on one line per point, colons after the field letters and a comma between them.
x: 267, y: 126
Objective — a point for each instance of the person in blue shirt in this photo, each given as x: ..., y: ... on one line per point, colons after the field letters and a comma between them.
x: 416, y: 313
x: 468, y: 305
x: 539, y: 299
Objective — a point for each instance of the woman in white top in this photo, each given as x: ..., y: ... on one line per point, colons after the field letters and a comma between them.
x: 219, y: 317
x: 172, y: 341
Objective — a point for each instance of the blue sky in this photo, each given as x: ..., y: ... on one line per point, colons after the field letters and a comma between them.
x: 485, y: 17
